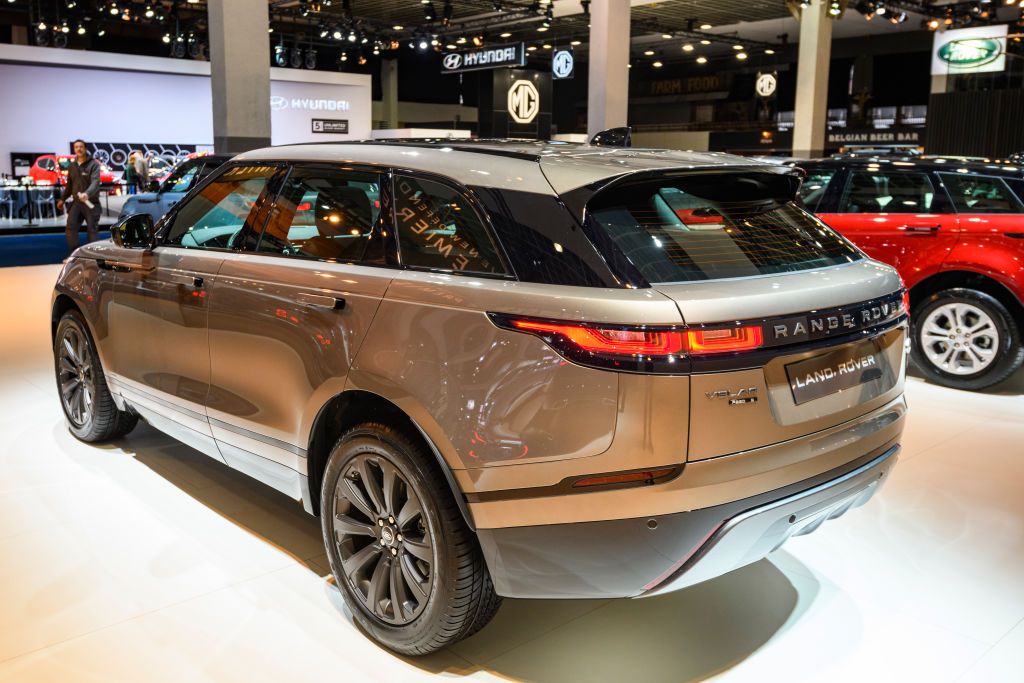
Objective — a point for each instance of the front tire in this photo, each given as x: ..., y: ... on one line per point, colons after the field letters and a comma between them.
x: 409, y: 568
x: 89, y: 408
x: 965, y: 339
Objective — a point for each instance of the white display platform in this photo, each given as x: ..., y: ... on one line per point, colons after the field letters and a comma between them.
x: 393, y: 133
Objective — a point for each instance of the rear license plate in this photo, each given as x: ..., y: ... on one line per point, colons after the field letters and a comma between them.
x: 837, y: 370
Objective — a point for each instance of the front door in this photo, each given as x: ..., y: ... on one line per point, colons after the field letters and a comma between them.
x: 162, y: 302
x: 287, y: 318
x: 897, y: 217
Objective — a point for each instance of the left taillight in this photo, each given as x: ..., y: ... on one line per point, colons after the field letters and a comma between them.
x: 634, y: 348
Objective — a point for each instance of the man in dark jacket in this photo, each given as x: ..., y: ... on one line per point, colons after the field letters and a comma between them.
x: 83, y: 189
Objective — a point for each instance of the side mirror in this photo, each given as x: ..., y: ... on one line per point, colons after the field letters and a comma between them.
x: 134, y: 232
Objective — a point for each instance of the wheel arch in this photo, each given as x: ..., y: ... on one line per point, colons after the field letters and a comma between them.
x: 349, y: 408
x: 949, y: 279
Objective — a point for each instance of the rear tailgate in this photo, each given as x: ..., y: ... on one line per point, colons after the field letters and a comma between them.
x: 833, y: 351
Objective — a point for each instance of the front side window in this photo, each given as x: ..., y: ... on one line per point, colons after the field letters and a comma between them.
x: 814, y: 187
x: 886, y: 192
x: 980, y: 194
x: 713, y: 226
x: 181, y: 179
x: 439, y: 229
x: 323, y: 213
x: 213, y: 218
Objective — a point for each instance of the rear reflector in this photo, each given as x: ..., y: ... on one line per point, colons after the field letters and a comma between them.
x: 732, y: 339
x: 643, y: 477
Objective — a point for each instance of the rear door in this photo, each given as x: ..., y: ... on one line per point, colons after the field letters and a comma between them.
x: 900, y: 217
x: 288, y: 315
x: 987, y: 207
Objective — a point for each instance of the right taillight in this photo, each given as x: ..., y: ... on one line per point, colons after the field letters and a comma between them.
x: 637, y: 348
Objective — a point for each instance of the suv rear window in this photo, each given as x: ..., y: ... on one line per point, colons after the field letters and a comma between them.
x: 712, y: 226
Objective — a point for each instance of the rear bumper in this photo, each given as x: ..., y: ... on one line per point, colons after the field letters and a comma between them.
x: 653, y: 555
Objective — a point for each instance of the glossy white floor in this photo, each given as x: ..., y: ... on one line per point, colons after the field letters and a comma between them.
x: 144, y: 561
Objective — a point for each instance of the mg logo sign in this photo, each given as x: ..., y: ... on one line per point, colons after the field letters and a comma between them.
x: 766, y: 84
x: 523, y: 101
x: 562, y: 64
x: 452, y: 61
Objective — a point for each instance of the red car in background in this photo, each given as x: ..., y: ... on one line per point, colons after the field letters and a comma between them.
x: 46, y: 168
x: 955, y: 232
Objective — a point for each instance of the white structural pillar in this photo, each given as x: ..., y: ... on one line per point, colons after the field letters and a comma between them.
x: 240, y: 73
x: 608, y: 95
x: 815, y: 51
x: 389, y: 92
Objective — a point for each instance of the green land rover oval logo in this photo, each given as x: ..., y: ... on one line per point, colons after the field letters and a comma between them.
x: 967, y: 54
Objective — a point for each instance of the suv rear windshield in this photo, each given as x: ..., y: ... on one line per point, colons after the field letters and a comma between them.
x: 716, y: 225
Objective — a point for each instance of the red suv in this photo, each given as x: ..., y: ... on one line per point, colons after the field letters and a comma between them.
x: 955, y: 233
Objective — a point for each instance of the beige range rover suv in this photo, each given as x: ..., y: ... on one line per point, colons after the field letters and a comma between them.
x: 499, y: 368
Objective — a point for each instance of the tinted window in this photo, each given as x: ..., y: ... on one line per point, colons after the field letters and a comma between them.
x: 1017, y: 185
x: 814, y: 187
x: 882, y: 192
x: 213, y: 218
x: 716, y: 226
x: 323, y: 213
x: 980, y: 194
x: 438, y: 228
x: 181, y: 179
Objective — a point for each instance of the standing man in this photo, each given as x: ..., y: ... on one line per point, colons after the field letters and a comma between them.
x: 83, y: 189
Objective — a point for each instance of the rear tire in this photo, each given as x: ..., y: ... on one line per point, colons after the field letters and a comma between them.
x: 409, y: 568
x: 89, y: 408
x: 965, y: 339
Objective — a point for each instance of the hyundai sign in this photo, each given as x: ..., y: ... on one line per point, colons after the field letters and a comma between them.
x: 969, y: 50
x: 495, y: 57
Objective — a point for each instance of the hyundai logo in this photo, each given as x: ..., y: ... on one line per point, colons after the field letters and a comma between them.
x: 278, y: 103
x: 452, y: 61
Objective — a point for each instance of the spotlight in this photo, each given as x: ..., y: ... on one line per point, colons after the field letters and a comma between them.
x: 705, y: 27
x: 80, y: 30
x: 41, y: 26
x: 344, y: 57
x: 362, y: 59
x: 114, y: 10
x: 423, y: 44
x: 769, y: 51
x: 667, y: 36
x: 648, y: 53
x: 506, y: 34
x: 324, y: 32
x: 42, y: 37
x: 60, y: 40
x: 688, y: 48
x: 478, y: 41
x: 737, y: 47
x: 741, y: 56
x: 705, y: 42
x: 310, y: 59
x: 352, y: 37
x: 280, y: 54
x: 296, y: 58
x: 657, y: 65
x: 898, y: 17
x: 702, y: 60
x: 574, y: 43
x: 429, y: 13
x: 101, y: 31
x: 166, y: 38
x: 932, y: 25
x: 149, y: 12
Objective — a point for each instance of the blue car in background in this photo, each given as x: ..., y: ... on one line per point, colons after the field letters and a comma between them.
x: 183, y: 178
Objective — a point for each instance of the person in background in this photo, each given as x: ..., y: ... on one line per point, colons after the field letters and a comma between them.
x: 142, y: 172
x: 83, y: 191
x: 129, y: 174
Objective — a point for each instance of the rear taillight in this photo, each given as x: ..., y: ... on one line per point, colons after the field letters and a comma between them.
x: 645, y: 342
x: 728, y: 340
x: 634, y: 348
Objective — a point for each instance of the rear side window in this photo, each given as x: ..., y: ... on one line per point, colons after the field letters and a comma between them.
x: 980, y: 194
x: 881, y: 192
x: 814, y: 187
x: 712, y: 226
x: 439, y: 229
x: 325, y: 214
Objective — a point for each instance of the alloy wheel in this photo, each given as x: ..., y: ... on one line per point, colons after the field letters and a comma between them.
x: 383, y: 540
x: 959, y: 338
x: 75, y: 376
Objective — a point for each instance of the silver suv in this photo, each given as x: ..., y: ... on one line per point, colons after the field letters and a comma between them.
x: 500, y: 368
